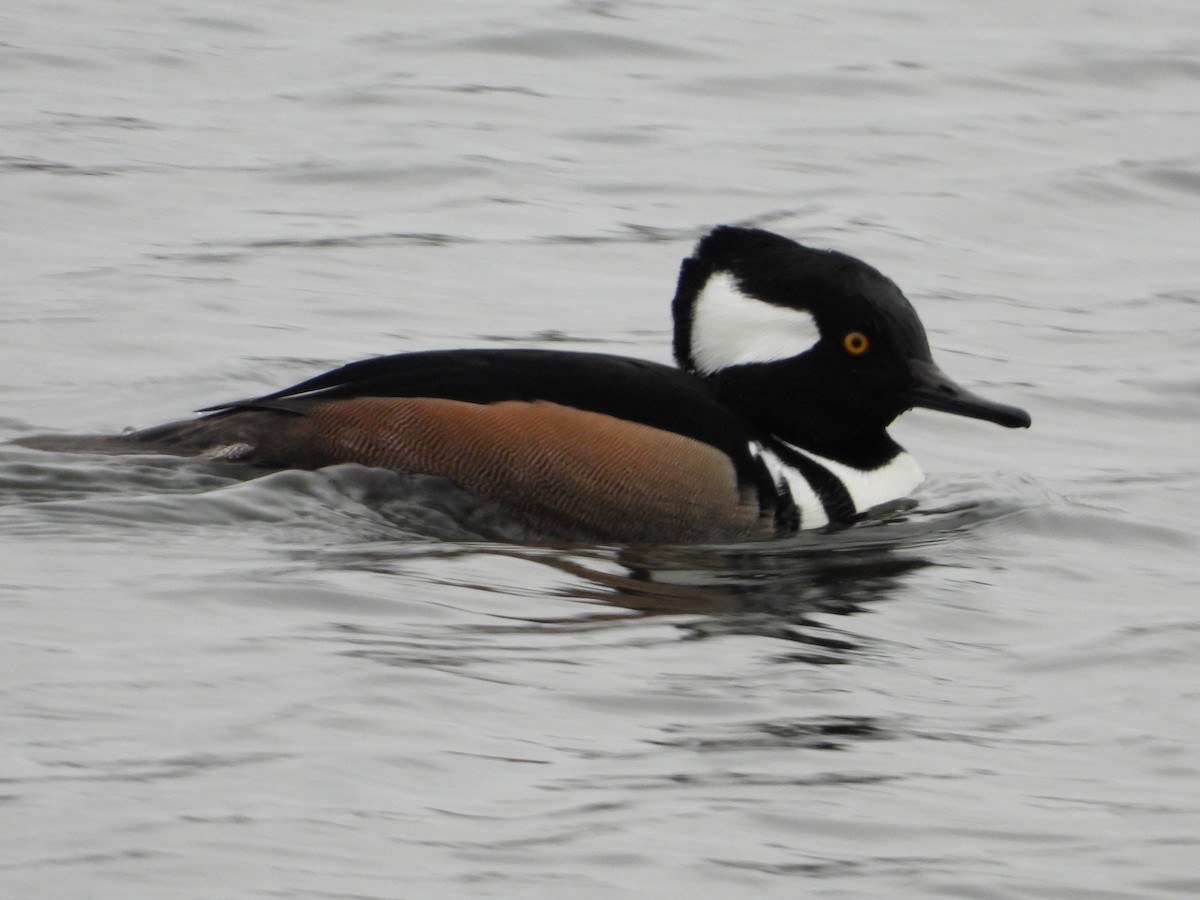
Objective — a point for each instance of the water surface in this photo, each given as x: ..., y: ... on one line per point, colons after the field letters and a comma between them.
x: 320, y: 685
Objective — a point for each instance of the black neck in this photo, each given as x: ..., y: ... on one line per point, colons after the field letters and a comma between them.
x: 780, y: 407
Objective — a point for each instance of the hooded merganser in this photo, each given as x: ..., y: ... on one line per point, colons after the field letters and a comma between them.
x: 793, y: 362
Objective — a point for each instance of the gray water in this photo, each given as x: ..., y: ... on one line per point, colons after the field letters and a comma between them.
x: 318, y: 685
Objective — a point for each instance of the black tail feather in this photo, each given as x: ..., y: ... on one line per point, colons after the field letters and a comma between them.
x: 213, y: 436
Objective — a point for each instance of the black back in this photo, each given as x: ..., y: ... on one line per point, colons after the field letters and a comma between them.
x: 633, y: 389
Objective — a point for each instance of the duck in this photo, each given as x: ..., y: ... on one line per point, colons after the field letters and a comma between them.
x: 791, y: 364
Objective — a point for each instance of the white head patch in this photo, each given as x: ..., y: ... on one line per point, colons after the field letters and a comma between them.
x: 731, y: 328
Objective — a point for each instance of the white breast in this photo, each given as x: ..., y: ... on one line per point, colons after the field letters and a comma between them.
x: 867, y: 488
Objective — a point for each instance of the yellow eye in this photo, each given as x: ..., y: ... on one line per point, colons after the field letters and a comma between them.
x: 856, y: 343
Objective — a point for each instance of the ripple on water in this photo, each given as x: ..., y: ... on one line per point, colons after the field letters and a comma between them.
x: 389, y: 540
x: 354, y: 502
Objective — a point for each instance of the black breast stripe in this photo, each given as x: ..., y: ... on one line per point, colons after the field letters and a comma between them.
x: 839, y: 507
x: 775, y: 499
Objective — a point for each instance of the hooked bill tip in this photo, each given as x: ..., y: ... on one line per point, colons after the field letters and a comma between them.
x: 933, y: 389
